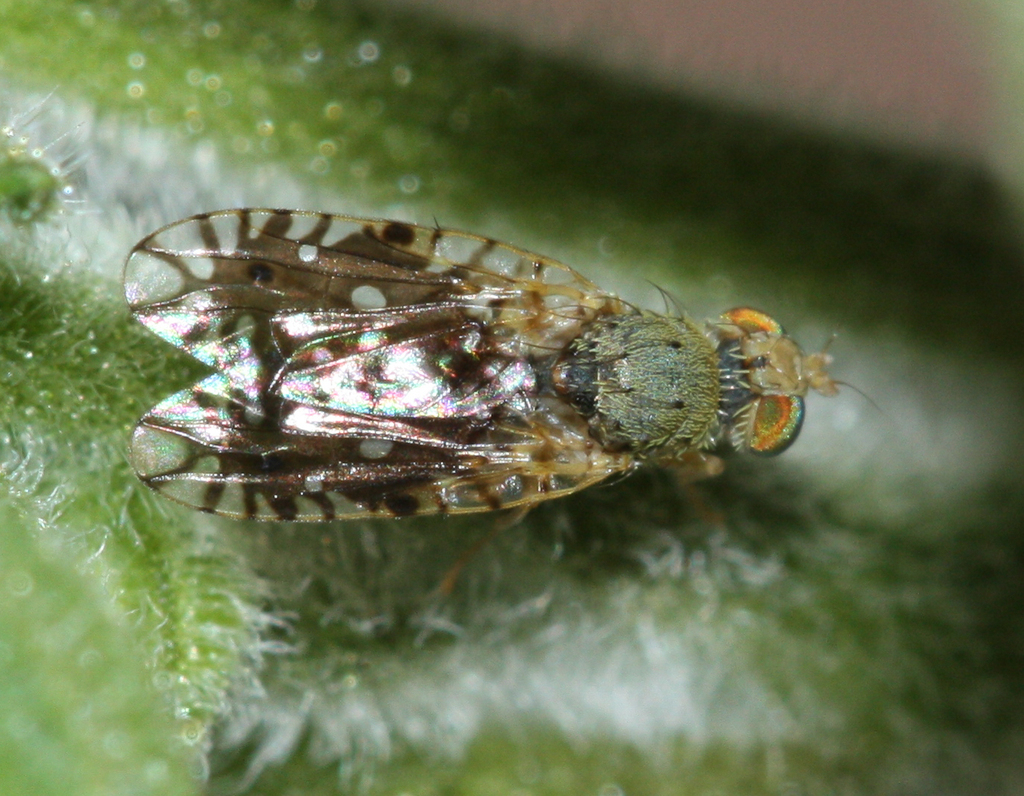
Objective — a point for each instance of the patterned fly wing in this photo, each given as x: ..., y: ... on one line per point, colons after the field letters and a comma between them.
x: 360, y: 368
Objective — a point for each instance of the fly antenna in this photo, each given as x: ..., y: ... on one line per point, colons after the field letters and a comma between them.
x: 865, y: 396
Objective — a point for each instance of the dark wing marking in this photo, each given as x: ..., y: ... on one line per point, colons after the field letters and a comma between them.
x: 363, y: 367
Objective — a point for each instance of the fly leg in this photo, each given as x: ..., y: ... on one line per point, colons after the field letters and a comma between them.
x: 691, y: 467
x: 504, y: 522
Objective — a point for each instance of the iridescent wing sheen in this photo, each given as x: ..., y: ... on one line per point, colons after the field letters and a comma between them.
x: 361, y: 368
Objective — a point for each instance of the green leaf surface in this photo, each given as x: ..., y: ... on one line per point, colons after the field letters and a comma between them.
x: 79, y: 713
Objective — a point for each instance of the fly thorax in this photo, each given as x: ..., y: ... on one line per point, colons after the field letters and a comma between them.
x: 644, y: 382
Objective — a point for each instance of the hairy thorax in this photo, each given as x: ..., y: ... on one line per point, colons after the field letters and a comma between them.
x: 646, y: 383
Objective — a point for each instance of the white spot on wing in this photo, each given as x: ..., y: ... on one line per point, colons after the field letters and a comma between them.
x: 554, y: 275
x: 302, y: 225
x: 308, y: 253
x: 149, y: 279
x: 257, y: 219
x: 367, y: 297
x: 201, y: 267
x: 340, y: 229
x: 155, y: 452
x: 189, y: 491
x: 226, y: 228
x: 502, y: 261
x: 458, y: 248
x: 375, y: 448
x: 182, y: 238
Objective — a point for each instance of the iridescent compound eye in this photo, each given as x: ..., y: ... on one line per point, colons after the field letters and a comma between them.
x: 752, y: 321
x: 774, y: 423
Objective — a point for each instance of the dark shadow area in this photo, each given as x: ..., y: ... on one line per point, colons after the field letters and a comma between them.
x: 921, y: 242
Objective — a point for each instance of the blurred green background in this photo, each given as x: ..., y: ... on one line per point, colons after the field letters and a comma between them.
x: 844, y: 619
